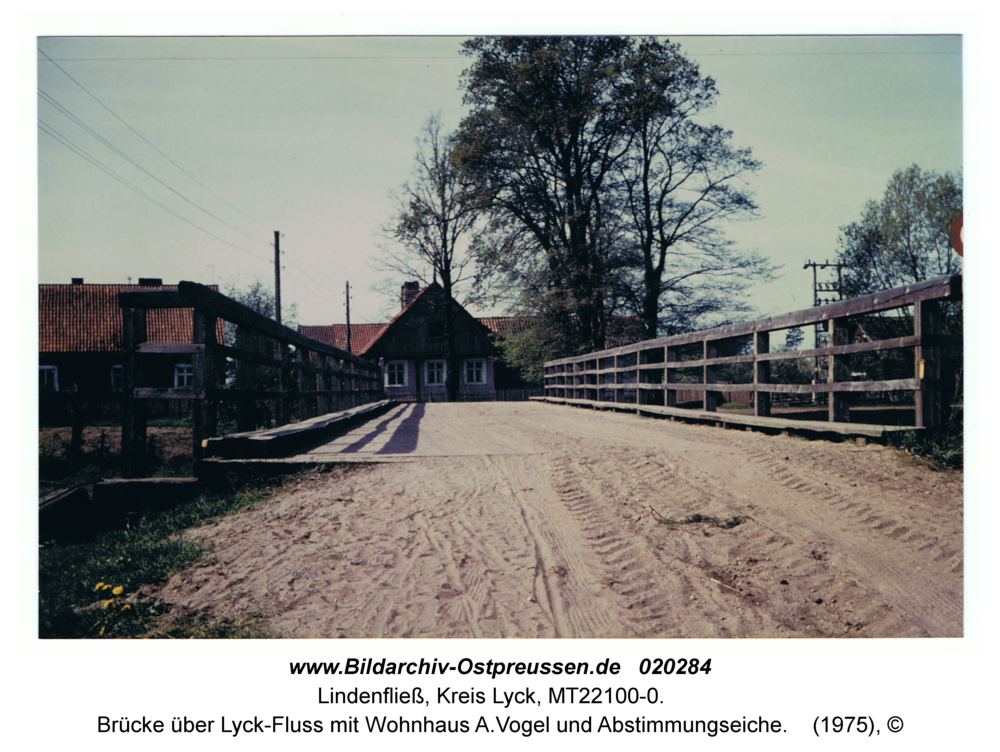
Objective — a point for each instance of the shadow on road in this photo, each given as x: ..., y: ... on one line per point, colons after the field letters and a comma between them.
x: 404, y: 438
x: 361, y: 443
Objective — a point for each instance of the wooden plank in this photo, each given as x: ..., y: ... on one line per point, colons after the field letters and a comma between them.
x: 246, y: 379
x: 940, y: 288
x: 838, y: 371
x: 702, y: 362
x: 848, y: 429
x: 195, y: 294
x: 762, y: 375
x: 170, y: 348
x: 133, y: 408
x: 859, y: 347
x: 843, y: 386
x: 153, y: 297
x: 927, y: 365
x: 145, y: 393
x: 206, y: 377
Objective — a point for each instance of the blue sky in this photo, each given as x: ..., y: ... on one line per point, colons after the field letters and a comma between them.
x: 309, y: 135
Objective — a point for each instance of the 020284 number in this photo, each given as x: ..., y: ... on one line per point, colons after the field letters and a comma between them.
x: 675, y: 666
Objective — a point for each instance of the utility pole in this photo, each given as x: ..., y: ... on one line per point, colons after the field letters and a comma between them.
x: 277, y: 279
x: 347, y: 295
x: 818, y: 287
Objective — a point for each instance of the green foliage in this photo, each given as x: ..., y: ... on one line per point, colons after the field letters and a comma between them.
x: 259, y: 297
x: 526, y: 352
x: 94, y: 589
x: 939, y: 450
x: 903, y: 237
x: 606, y: 190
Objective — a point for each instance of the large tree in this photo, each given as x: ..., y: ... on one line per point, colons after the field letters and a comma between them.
x: 680, y: 180
x: 542, y: 138
x: 903, y: 237
x: 435, y: 219
x: 606, y: 191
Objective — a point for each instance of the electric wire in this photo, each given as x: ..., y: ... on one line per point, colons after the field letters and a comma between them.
x: 79, y: 151
x: 147, y: 141
x: 65, y: 111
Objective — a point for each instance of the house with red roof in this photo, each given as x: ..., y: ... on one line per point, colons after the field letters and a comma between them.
x: 80, y: 340
x: 412, y: 346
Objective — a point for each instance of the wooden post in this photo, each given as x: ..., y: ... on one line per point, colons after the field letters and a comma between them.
x: 307, y: 385
x: 206, y: 380
x: 762, y: 375
x: 839, y: 370
x: 669, y: 376
x: 133, y: 409
x: 282, y: 408
x: 709, y: 377
x: 323, y: 385
x: 927, y: 402
x: 246, y: 381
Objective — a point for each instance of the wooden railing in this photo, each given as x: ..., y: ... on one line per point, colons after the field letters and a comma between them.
x: 328, y: 379
x: 650, y: 373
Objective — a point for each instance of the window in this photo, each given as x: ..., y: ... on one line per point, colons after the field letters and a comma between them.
x: 116, y: 378
x: 435, y: 372
x: 475, y: 372
x: 48, y: 378
x: 395, y: 373
x: 183, y: 376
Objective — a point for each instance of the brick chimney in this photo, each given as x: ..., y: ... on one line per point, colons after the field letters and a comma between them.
x: 150, y: 282
x: 409, y: 292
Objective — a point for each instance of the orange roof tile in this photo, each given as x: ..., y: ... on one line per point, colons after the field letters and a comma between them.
x: 86, y: 318
x: 336, y: 335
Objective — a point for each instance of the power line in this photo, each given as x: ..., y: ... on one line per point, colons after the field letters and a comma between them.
x: 51, y: 100
x: 60, y: 138
x: 151, y: 145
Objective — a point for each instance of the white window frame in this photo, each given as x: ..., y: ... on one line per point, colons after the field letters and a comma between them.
x: 186, y: 376
x: 481, y: 367
x: 117, y: 383
x: 54, y: 370
x: 401, y: 364
x: 443, y: 369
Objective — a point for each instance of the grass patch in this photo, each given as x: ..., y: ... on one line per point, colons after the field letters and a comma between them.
x: 94, y: 589
x: 200, y: 628
x: 734, y: 406
x: 938, y: 450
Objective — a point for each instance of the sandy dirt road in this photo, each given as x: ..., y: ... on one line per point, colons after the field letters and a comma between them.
x: 534, y: 520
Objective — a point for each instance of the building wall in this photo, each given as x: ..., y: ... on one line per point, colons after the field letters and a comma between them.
x: 412, y: 364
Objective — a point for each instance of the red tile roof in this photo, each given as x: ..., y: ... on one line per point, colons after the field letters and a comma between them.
x: 504, y: 326
x: 362, y: 335
x: 86, y: 318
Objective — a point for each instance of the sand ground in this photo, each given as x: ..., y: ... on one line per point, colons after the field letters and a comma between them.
x: 534, y: 520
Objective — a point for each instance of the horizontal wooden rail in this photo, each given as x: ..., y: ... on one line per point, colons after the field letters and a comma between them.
x: 650, y: 373
x: 326, y: 379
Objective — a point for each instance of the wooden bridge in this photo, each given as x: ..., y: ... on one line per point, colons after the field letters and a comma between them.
x: 646, y: 376
x: 300, y: 380
x: 278, y: 416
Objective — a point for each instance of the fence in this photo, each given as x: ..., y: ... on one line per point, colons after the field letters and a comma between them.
x: 328, y: 379
x: 498, y: 395
x: 651, y: 373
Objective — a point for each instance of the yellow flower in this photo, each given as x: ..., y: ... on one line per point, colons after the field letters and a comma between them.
x: 107, y: 603
x: 106, y: 587
x: 98, y: 586
x: 126, y: 606
x: 102, y: 631
x: 118, y: 590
